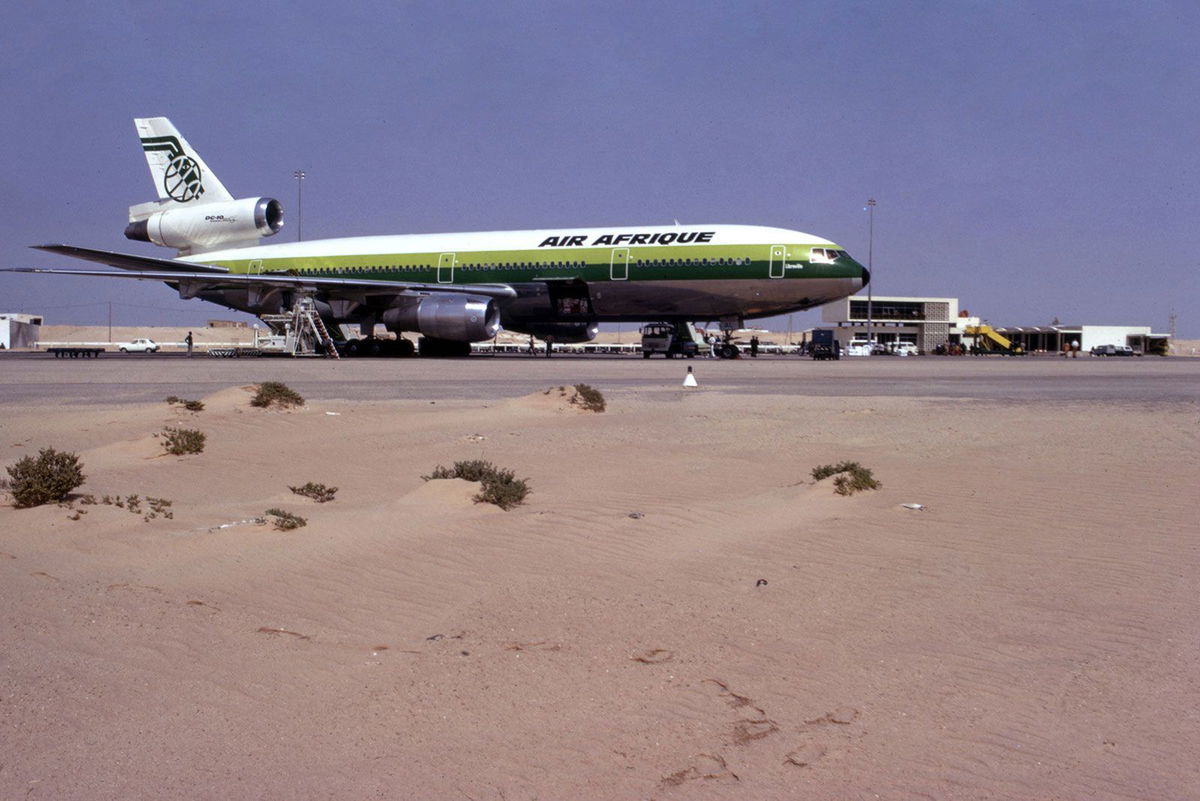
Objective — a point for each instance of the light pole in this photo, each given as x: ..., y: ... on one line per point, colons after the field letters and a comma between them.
x: 299, y: 176
x: 871, y: 270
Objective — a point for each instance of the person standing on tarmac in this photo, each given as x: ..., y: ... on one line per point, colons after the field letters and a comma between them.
x: 754, y: 347
x: 188, y: 340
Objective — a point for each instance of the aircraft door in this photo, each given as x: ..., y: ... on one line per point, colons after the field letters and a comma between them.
x: 255, y: 267
x: 445, y: 273
x: 778, y: 260
x: 619, y: 264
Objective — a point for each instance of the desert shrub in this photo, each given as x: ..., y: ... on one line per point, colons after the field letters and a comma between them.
x: 499, y: 486
x: 588, y: 398
x: 318, y: 492
x: 286, y: 521
x: 46, y: 478
x: 274, y: 393
x: 190, y: 405
x: 180, y: 441
x: 471, y: 470
x: 851, y: 477
x: 159, y: 507
x: 505, y: 492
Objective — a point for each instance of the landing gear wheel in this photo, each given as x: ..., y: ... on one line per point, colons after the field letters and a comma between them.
x: 729, y: 351
x: 353, y: 347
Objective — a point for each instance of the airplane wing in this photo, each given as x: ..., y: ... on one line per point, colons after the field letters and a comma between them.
x: 126, y: 261
x: 193, y: 282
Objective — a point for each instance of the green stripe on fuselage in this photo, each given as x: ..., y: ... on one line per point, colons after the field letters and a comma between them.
x: 656, y: 263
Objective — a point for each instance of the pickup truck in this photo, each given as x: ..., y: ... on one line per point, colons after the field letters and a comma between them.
x: 139, y: 346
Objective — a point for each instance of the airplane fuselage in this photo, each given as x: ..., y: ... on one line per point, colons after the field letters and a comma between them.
x: 690, y: 272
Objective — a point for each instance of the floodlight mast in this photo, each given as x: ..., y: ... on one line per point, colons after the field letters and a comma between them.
x: 299, y: 176
x: 870, y: 270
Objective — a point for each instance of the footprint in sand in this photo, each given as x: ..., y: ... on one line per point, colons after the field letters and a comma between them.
x: 805, y: 755
x: 703, y: 766
x: 755, y: 725
x: 201, y: 603
x: 748, y: 730
x: 296, y: 634
x: 653, y: 657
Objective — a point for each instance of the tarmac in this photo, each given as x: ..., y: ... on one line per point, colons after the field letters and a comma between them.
x: 31, y: 378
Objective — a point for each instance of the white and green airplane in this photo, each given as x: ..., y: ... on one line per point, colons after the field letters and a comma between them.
x: 455, y: 289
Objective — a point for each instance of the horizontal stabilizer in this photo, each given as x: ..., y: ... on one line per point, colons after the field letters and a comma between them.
x: 126, y: 261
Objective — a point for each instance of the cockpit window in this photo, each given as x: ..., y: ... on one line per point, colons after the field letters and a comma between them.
x: 825, y: 255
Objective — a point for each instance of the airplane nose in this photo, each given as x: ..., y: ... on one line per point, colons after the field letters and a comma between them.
x: 866, y: 276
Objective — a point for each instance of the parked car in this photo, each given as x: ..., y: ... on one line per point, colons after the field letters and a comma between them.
x: 139, y: 346
x: 1125, y: 350
x: 905, y: 349
x: 1104, y: 350
x: 858, y: 347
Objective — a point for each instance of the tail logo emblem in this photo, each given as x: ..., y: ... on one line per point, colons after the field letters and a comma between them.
x: 182, y: 178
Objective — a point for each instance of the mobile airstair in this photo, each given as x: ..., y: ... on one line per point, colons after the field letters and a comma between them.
x: 300, y: 332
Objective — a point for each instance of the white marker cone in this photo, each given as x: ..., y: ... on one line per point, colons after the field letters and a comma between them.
x: 690, y: 380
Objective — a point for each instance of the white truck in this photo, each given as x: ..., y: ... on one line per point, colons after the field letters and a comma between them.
x: 670, y: 339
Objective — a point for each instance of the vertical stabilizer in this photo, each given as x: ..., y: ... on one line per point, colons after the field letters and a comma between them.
x: 180, y: 176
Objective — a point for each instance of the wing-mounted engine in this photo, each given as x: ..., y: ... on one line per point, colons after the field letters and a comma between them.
x: 457, y: 318
x: 559, y: 332
x: 197, y: 228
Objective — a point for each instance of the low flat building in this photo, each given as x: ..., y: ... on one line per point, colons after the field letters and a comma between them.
x: 932, y: 323
x: 924, y: 322
x: 1053, y: 338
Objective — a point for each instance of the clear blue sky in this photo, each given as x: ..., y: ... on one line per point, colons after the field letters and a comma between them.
x: 1034, y: 159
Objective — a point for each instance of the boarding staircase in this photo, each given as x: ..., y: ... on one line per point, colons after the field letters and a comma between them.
x: 299, y: 332
x: 989, y: 338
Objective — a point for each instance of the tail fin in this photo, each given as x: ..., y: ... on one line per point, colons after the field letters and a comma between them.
x: 180, y: 175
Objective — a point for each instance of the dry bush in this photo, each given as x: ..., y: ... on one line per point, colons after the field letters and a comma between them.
x: 190, y: 405
x: 286, y: 521
x: 588, y: 398
x: 318, y: 492
x: 180, y: 441
x: 46, y: 478
x: 500, y: 487
x: 851, y: 477
x: 274, y: 393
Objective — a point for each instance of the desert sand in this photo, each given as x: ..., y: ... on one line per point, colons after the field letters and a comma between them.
x: 677, y: 611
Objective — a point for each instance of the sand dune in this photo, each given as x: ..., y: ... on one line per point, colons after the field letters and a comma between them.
x: 678, y: 611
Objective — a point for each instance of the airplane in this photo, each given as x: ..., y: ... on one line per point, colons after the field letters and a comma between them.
x: 453, y: 289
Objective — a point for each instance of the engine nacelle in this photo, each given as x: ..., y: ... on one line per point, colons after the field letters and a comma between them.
x: 461, y: 318
x: 210, y: 225
x: 559, y: 332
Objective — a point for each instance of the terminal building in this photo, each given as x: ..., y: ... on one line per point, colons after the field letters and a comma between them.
x: 934, y: 324
x: 925, y: 322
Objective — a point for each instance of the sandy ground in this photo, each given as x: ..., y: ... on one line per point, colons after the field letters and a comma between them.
x: 678, y: 611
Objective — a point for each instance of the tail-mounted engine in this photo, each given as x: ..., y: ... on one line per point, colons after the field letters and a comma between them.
x: 207, y: 226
